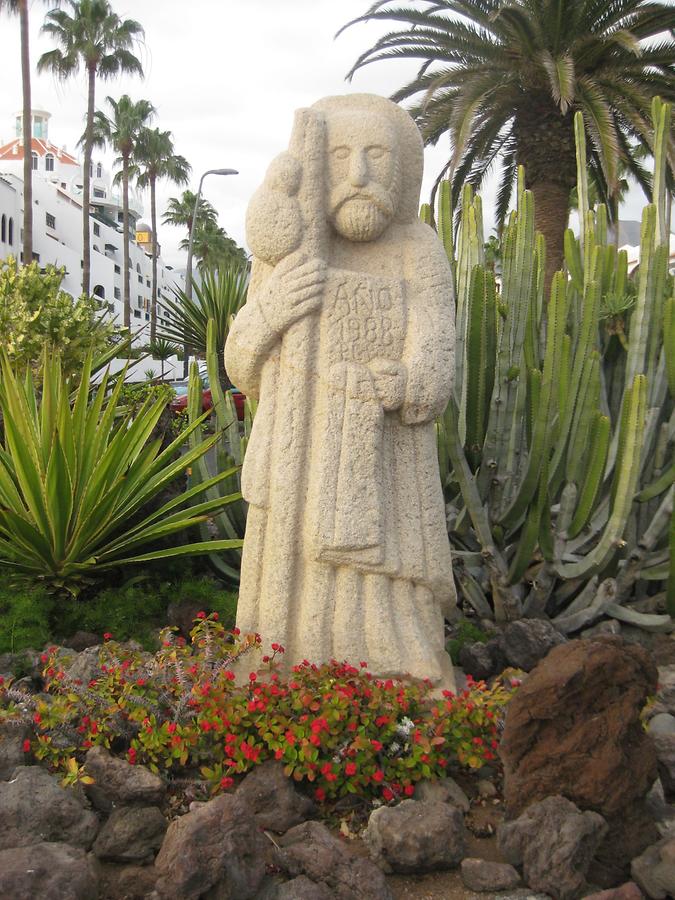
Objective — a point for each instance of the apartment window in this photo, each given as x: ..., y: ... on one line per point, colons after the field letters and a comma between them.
x: 139, y: 302
x: 3, y: 229
x: 147, y: 282
x: 118, y: 294
x: 49, y: 162
x: 138, y: 267
x: 97, y: 230
x: 10, y: 235
x: 34, y: 161
x: 51, y: 220
x: 99, y: 192
x: 137, y: 314
x: 117, y: 269
x: 147, y: 317
x: 140, y: 279
x: 120, y: 217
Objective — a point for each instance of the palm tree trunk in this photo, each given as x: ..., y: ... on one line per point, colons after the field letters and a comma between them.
x: 86, y: 180
x: 153, y: 214
x: 125, y: 230
x: 27, y: 135
x: 551, y: 213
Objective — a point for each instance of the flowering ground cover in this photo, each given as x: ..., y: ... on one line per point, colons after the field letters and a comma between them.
x: 182, y: 713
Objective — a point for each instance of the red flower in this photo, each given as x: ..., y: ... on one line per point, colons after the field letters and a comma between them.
x: 226, y: 782
x: 387, y: 794
x: 252, y: 677
x: 409, y: 790
x: 376, y: 745
x: 201, y: 615
x: 320, y: 794
x: 382, y: 720
x: 214, y: 616
x: 107, y: 635
x: 350, y: 768
x: 236, y: 631
x: 26, y: 746
x: 364, y: 665
x: 378, y: 775
x: 278, y: 753
x: 171, y: 727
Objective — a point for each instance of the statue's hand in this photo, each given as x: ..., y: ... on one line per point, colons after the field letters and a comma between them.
x: 390, y: 381
x: 294, y: 290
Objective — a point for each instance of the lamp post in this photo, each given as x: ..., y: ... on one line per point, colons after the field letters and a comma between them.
x: 188, y: 274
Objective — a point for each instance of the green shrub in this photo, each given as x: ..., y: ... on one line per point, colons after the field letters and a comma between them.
x: 465, y: 633
x: 24, y: 618
x: 334, y: 726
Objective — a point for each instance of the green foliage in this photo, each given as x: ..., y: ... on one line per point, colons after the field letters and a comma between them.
x: 556, y: 445
x: 24, y: 618
x: 35, y: 312
x: 73, y: 475
x: 334, y: 725
x: 465, y: 632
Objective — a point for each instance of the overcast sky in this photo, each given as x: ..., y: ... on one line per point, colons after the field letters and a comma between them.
x: 225, y: 77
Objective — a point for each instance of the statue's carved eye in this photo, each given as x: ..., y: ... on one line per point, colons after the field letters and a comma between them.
x: 376, y: 152
x: 341, y: 152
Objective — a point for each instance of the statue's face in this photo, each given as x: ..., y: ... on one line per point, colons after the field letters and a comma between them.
x: 363, y: 175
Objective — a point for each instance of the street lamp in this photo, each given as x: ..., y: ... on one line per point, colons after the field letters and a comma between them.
x: 188, y: 274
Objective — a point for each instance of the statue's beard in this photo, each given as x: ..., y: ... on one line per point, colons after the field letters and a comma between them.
x: 361, y: 214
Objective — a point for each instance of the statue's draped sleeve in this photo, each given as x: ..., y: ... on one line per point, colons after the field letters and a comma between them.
x: 430, y: 341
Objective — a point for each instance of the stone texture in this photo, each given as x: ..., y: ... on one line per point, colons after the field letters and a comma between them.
x: 130, y: 882
x: 217, y: 846
x: 574, y: 729
x: 85, y: 666
x: 483, y: 660
x: 555, y: 843
x: 347, y: 340
x: 302, y: 888
x: 272, y: 799
x: 310, y: 849
x: 416, y: 836
x: 82, y: 640
x: 662, y: 723
x: 444, y: 790
x: 664, y: 745
x: 117, y: 782
x: 527, y: 641
x: 662, y: 813
x: 11, y: 748
x: 130, y: 834
x: 627, y: 891
x: 35, y: 809
x: 654, y: 870
x: 483, y: 875
x: 49, y: 871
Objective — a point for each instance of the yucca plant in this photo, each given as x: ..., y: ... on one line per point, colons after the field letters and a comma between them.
x: 75, y: 477
x: 556, y: 449
x: 230, y: 448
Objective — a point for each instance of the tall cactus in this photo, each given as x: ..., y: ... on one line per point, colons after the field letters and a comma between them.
x: 556, y: 450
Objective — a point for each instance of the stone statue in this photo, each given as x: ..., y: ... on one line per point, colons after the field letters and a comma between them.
x: 347, y: 339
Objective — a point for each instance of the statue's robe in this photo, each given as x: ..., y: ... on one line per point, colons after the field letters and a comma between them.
x: 346, y: 553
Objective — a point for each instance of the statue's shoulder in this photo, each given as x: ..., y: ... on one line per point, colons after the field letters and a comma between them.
x: 420, y: 244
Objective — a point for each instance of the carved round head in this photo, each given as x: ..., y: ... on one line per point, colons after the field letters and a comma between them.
x: 369, y: 142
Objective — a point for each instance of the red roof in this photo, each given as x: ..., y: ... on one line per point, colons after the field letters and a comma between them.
x: 14, y: 150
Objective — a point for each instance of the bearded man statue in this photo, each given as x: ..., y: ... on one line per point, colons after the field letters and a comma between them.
x: 347, y: 339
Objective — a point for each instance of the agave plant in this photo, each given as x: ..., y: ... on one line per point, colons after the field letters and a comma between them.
x: 75, y: 477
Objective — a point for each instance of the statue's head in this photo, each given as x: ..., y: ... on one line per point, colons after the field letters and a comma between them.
x: 370, y: 143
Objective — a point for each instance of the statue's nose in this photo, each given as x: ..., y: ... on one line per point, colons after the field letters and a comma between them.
x: 358, y: 170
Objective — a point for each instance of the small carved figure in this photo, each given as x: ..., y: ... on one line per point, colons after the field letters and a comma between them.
x: 347, y: 339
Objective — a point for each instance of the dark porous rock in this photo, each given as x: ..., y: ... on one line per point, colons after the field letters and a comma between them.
x: 49, y: 871
x: 12, y: 737
x: 132, y: 882
x: 117, y: 782
x: 35, y: 808
x: 664, y: 745
x: 661, y: 812
x: 528, y: 641
x: 182, y: 613
x: 443, y: 790
x: 302, y: 888
x: 555, y: 843
x: 273, y: 799
x: 574, y: 729
x: 84, y: 666
x: 217, y: 846
x: 130, y: 834
x: 654, y: 870
x: 82, y: 640
x: 484, y: 875
x: 310, y: 849
x: 483, y: 660
x: 627, y: 891
x: 416, y: 836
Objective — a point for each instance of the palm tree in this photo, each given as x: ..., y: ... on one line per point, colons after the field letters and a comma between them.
x: 93, y: 37
x: 180, y: 212
x: 162, y: 350
x: 154, y: 160
x: 503, y: 78
x: 213, y: 247
x: 21, y: 7
x: 219, y: 296
x: 121, y: 130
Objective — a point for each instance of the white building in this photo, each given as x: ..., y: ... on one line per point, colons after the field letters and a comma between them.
x: 57, y: 227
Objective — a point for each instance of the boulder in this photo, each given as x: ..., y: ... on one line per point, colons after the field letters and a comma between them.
x: 12, y: 737
x: 36, y: 809
x: 484, y: 875
x: 483, y: 660
x: 443, y: 790
x: 302, y: 888
x: 574, y: 728
x: 219, y: 846
x: 662, y: 723
x: 47, y: 870
x: 416, y: 836
x: 130, y: 834
x: 555, y: 843
x: 117, y: 782
x: 527, y: 641
x: 272, y: 798
x: 654, y: 870
x: 311, y: 850
x: 662, y: 813
x: 664, y: 746
x: 85, y: 666
x: 82, y: 640
x: 132, y: 882
x: 627, y: 891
